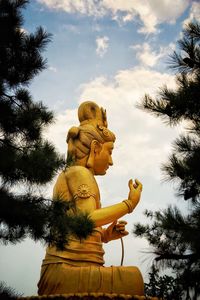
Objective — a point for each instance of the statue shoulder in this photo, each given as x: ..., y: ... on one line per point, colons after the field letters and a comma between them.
x: 77, y: 171
x: 81, y: 182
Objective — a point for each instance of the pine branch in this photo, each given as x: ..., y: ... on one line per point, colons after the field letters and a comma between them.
x: 8, y: 293
x: 177, y: 63
x: 174, y: 236
x: 173, y: 256
x: 7, y: 143
x: 49, y: 221
x: 187, y: 45
x: 12, y: 100
x: 193, y: 30
x: 38, y: 40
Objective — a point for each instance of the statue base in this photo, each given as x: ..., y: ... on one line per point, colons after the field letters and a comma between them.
x: 88, y: 296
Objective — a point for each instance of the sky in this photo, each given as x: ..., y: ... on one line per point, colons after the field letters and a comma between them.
x: 112, y: 52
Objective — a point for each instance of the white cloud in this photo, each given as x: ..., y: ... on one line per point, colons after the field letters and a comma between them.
x: 149, y: 57
x: 145, y: 55
x: 57, y: 133
x: 127, y: 18
x: 88, y: 7
x: 151, y: 13
x: 194, y: 12
x: 102, y: 45
x: 53, y: 69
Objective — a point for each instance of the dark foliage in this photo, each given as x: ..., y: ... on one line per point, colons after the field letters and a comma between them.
x: 27, y: 159
x: 164, y: 287
x: 175, y: 237
x: 7, y: 293
x: 40, y: 219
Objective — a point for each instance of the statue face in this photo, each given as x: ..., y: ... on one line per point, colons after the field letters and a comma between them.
x: 103, y: 158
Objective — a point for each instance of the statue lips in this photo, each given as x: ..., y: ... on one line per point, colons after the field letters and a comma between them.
x: 106, y: 168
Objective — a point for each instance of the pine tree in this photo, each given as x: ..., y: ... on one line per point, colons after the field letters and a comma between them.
x: 27, y: 159
x: 7, y: 293
x: 163, y: 287
x: 175, y: 236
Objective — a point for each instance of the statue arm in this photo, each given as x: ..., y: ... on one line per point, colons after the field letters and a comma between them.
x: 84, y: 190
x: 111, y: 213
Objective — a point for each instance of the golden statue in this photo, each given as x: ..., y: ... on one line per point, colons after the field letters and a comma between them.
x: 79, y: 268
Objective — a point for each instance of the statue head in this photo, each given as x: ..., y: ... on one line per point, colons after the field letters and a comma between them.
x: 91, y: 143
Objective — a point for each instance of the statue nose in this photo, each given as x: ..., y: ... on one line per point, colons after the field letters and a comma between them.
x: 110, y: 161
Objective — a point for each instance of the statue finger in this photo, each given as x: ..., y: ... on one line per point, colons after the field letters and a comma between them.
x: 130, y: 184
x: 121, y: 226
x: 125, y: 233
x: 139, y: 184
x: 113, y: 224
x: 122, y: 222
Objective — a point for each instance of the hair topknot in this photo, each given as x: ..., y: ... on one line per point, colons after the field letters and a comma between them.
x: 93, y: 126
x: 90, y: 112
x: 73, y: 133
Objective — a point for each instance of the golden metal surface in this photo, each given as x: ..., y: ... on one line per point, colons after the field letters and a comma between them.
x: 80, y: 268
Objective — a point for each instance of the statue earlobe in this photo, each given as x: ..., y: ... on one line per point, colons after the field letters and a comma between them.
x: 90, y: 161
x: 95, y: 148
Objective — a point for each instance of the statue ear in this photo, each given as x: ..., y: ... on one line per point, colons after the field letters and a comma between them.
x: 95, y: 149
x: 96, y: 146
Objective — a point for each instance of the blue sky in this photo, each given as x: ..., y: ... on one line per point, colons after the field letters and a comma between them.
x: 73, y: 57
x: 111, y: 52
